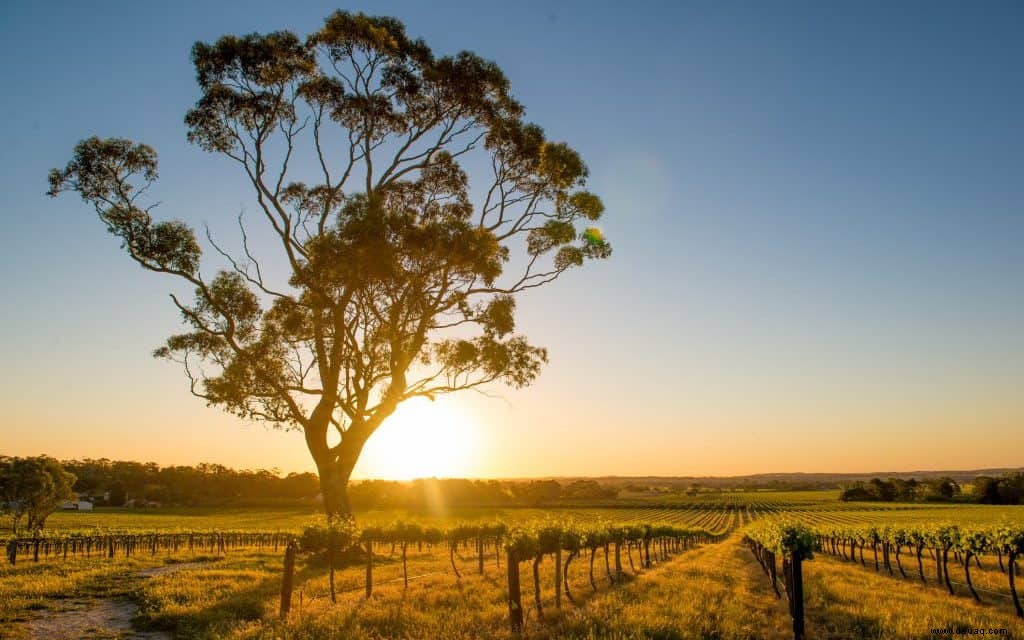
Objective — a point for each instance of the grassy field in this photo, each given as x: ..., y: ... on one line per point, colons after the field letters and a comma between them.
x: 713, y: 591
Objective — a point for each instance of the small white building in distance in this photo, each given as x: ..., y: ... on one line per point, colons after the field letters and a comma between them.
x: 77, y: 505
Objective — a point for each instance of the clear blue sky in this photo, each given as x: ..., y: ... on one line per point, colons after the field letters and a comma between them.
x: 817, y: 211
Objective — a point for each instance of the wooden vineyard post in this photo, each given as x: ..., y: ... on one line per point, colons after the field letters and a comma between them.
x: 12, y: 551
x: 618, y: 561
x: 796, y: 597
x: 287, y: 580
x: 405, y: 567
x: 795, y: 543
x: 480, y: 554
x: 558, y: 578
x: 772, y: 572
x: 1010, y: 570
x: 369, y: 569
x: 515, y: 603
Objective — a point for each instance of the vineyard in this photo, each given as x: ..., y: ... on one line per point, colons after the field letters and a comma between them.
x: 535, y: 571
x: 793, y: 542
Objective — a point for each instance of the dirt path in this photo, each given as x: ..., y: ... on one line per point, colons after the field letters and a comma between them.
x: 101, y: 618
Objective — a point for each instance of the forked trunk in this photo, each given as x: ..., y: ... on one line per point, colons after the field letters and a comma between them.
x: 334, y: 466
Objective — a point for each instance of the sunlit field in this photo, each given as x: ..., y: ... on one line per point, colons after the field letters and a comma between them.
x: 512, y: 321
x: 714, y: 590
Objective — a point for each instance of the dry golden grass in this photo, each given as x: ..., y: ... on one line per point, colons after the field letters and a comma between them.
x: 714, y: 592
x: 844, y: 600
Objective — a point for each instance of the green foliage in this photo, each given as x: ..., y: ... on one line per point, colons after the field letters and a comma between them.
x: 327, y: 534
x: 33, y: 488
x: 786, y: 537
x: 940, y: 536
x: 1006, y: 489
x: 381, y: 245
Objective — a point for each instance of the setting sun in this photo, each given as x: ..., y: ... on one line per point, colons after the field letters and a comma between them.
x: 422, y: 439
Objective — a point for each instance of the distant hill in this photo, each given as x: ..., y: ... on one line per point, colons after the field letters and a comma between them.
x: 785, y: 480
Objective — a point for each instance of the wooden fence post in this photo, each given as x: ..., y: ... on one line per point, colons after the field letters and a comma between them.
x: 480, y: 554
x: 287, y: 580
x: 369, y: 569
x: 12, y: 551
x: 618, y: 561
x: 515, y: 603
x: 798, y: 597
x: 558, y: 578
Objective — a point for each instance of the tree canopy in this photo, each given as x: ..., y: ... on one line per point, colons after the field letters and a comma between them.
x: 33, y: 488
x: 402, y: 278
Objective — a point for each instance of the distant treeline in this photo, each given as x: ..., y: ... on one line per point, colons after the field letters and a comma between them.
x: 1005, y: 489
x: 430, y: 492
x: 118, y: 482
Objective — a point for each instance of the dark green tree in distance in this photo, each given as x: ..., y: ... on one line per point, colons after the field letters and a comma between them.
x: 33, y: 488
x: 399, y: 284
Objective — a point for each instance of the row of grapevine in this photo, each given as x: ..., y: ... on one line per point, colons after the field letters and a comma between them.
x: 939, y: 540
x: 530, y: 542
x: 332, y: 539
x: 794, y: 542
x: 107, y: 545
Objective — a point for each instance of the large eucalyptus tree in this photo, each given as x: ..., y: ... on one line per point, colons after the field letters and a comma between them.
x: 401, y: 281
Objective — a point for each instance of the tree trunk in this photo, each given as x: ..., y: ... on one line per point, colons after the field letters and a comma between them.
x: 334, y: 466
